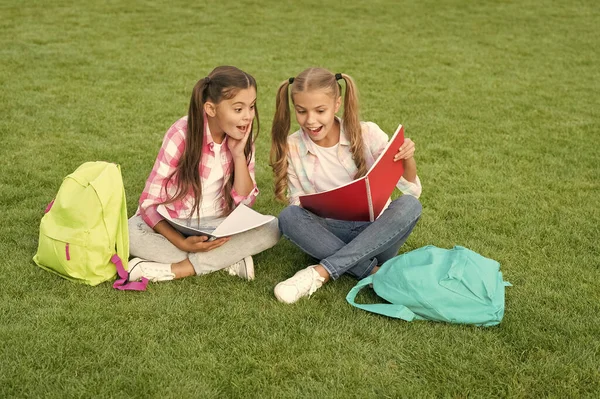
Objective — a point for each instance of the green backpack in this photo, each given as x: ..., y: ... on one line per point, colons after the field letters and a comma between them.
x: 83, y: 234
x: 452, y: 285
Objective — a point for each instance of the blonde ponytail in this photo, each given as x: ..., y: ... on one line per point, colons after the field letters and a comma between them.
x: 279, y: 133
x: 352, y: 127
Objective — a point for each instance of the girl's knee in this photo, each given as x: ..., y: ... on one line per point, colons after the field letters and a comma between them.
x: 261, y: 238
x: 273, y: 232
x: 408, y: 205
x: 414, y: 204
x: 289, y: 216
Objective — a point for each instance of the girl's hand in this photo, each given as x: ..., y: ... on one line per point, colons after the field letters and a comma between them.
x: 406, y: 150
x: 237, y: 146
x: 201, y: 243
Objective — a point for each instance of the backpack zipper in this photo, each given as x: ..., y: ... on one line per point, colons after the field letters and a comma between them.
x: 49, y: 206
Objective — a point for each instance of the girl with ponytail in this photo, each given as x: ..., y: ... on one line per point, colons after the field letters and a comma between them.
x: 204, y: 169
x: 325, y: 153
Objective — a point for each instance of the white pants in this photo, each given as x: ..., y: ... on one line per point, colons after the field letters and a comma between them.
x: 147, y: 244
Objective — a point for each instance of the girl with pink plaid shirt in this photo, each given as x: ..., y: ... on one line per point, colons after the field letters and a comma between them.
x: 326, y: 153
x: 204, y: 169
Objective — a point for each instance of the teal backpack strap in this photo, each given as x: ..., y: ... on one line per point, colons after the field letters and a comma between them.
x: 386, y: 309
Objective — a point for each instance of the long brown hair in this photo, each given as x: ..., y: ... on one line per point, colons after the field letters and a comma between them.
x: 307, y: 80
x: 223, y: 83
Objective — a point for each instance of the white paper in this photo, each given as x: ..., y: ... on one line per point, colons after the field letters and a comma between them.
x: 243, y: 218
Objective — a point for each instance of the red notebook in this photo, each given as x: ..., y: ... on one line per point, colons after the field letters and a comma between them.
x: 362, y: 199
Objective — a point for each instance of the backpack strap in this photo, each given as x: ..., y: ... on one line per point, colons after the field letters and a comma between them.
x: 386, y: 309
x: 122, y: 238
x: 123, y: 282
x: 122, y: 244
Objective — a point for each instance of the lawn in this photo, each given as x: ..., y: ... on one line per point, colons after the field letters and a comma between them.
x: 501, y: 99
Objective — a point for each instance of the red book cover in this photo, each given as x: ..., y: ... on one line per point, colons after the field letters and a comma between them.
x: 362, y: 199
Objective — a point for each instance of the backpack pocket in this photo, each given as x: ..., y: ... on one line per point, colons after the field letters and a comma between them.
x: 63, y: 251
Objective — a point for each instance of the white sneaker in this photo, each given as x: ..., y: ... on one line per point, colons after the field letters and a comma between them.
x: 243, y: 269
x: 153, y: 271
x: 303, y: 283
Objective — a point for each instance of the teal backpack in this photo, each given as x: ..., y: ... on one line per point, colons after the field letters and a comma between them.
x: 452, y: 285
x: 83, y: 234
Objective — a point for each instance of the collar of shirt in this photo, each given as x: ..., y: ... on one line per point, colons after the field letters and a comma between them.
x: 344, y: 155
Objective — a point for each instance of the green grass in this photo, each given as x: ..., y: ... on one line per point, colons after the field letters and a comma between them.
x: 501, y: 98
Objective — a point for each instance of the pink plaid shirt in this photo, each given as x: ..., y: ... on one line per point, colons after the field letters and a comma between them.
x: 303, y: 161
x: 166, y: 162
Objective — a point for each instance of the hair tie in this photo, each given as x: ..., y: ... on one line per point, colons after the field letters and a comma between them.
x: 338, y: 76
x: 207, y: 80
x: 291, y: 80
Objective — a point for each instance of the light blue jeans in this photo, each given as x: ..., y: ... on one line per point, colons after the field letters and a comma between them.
x: 351, y: 247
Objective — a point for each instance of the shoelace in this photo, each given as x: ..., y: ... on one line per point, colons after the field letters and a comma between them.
x: 158, y: 272
x: 235, y: 267
x: 134, y: 266
x: 313, y: 281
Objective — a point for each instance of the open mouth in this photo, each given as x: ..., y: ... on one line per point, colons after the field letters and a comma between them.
x: 243, y: 128
x: 315, y: 130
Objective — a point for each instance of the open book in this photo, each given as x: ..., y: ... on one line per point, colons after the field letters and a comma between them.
x: 241, y: 219
x: 362, y: 199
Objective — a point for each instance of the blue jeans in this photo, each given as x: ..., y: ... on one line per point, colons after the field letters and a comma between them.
x: 351, y: 247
